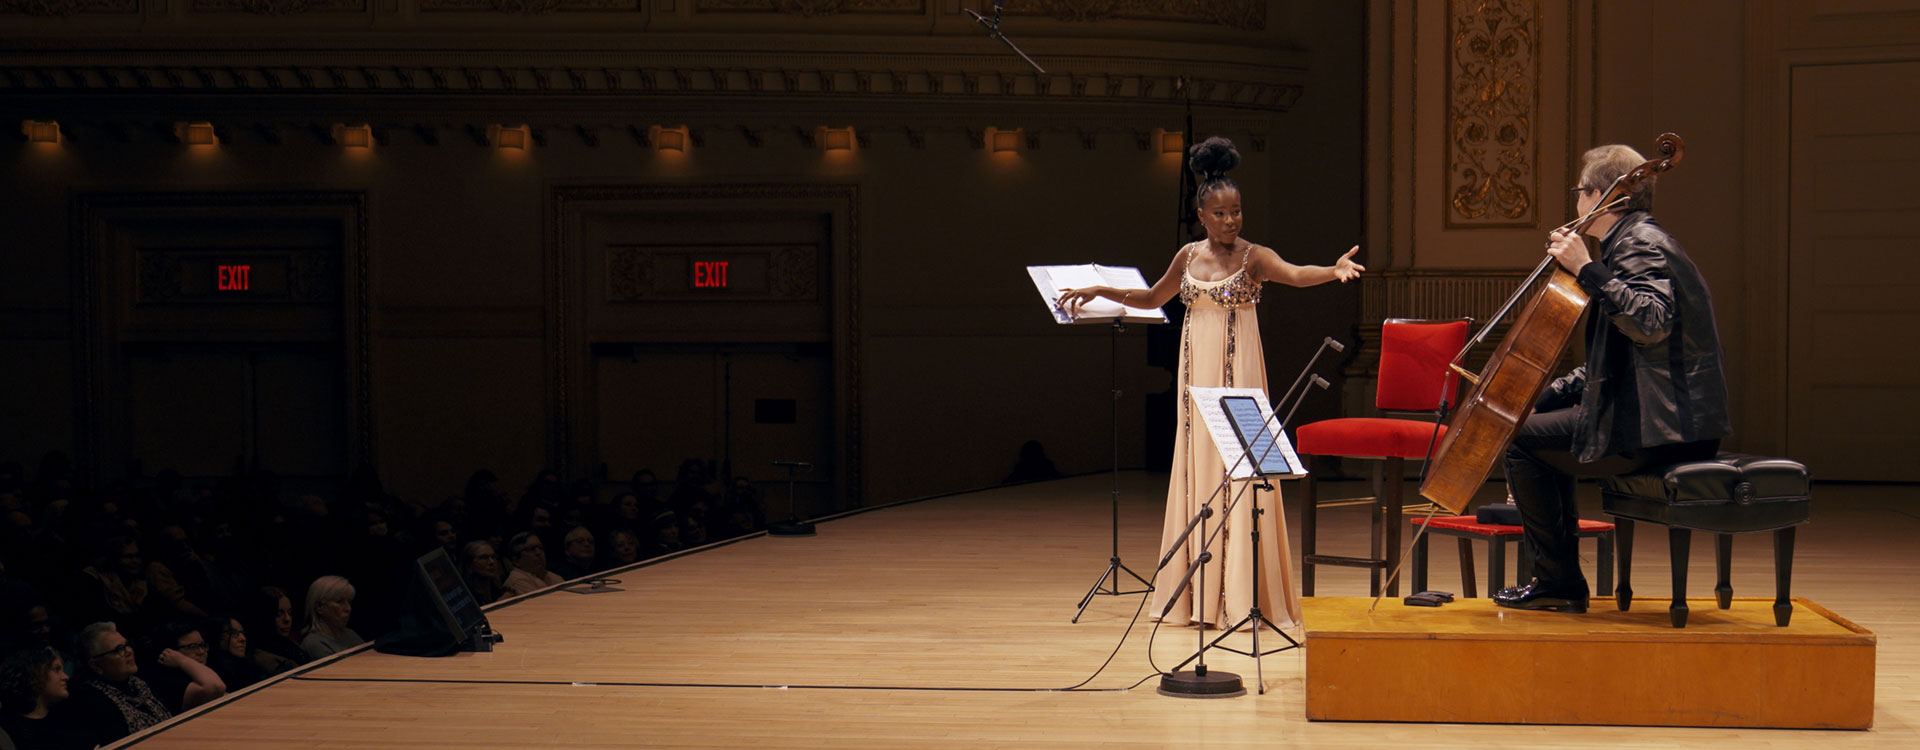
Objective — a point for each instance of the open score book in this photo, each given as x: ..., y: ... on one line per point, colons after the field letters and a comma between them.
x: 1049, y: 280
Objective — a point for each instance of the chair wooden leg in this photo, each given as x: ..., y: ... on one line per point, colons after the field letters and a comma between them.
x: 1782, y: 575
x: 1466, y: 567
x: 1309, y: 510
x: 1679, y: 543
x: 1395, y: 476
x: 1496, y: 564
x: 1377, y: 513
x: 1419, y: 562
x: 1623, y: 551
x: 1603, y: 554
x: 1723, y: 570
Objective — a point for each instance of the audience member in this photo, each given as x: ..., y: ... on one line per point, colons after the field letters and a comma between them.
x: 329, y: 606
x: 180, y: 676
x: 232, y: 657
x: 108, y: 700
x: 625, y: 548
x: 581, y: 556
x: 31, y: 682
x: 530, y: 572
x: 276, y: 646
x: 482, y: 567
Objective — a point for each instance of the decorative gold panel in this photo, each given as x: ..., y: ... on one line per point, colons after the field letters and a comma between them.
x: 1493, y: 102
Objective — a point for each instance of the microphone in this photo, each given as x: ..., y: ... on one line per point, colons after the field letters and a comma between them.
x: 1325, y: 344
x: 1317, y: 382
x: 993, y: 30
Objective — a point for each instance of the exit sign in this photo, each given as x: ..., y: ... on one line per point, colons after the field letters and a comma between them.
x: 235, y: 278
x: 710, y: 274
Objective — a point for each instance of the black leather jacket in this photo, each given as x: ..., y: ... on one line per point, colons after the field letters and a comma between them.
x: 1653, y: 374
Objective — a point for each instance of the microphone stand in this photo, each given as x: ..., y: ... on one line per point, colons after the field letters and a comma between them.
x: 1200, y: 682
x: 993, y: 30
x: 793, y: 526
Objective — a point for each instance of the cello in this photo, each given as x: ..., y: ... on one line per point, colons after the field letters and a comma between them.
x: 1504, y: 392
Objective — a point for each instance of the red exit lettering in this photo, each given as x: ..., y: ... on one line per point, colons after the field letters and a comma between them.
x: 709, y: 274
x: 233, y: 278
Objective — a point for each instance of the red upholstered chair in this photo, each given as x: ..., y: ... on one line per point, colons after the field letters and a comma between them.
x: 1414, y: 379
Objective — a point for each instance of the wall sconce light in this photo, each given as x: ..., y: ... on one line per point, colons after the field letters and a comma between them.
x: 1003, y: 141
x: 41, y: 131
x: 196, y: 133
x: 670, y: 139
x: 353, y: 136
x: 1172, y: 141
x: 514, y: 137
x: 836, y: 139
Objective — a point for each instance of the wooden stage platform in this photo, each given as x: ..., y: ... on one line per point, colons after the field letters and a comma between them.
x: 944, y: 623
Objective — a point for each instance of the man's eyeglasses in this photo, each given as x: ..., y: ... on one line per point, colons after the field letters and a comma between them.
x: 116, y: 651
x: 1584, y: 190
x: 191, y: 647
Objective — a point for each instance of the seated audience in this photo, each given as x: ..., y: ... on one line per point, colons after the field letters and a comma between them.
x: 270, y: 616
x: 31, y: 682
x: 179, y: 674
x: 530, y: 572
x: 581, y: 556
x: 108, y: 700
x: 232, y: 657
x: 626, y: 548
x: 482, y: 567
x: 329, y: 606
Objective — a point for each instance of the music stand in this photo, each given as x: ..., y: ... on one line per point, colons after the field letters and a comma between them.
x: 1237, y: 418
x: 1049, y: 280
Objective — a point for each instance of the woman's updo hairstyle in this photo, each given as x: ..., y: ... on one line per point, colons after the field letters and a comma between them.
x: 1210, y: 161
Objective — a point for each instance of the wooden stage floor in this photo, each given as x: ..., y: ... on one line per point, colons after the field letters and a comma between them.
x: 944, y: 623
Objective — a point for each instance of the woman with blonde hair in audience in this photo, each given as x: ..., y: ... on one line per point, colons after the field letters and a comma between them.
x: 329, y: 606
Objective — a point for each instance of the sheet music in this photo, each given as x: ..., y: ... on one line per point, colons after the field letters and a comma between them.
x: 1049, y: 280
x: 1206, y: 406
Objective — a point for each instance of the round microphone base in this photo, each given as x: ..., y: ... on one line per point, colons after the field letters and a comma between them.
x: 790, y: 528
x: 1198, y: 684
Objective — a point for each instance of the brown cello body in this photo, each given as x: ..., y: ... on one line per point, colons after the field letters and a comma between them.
x: 1494, y: 408
x: 1503, y: 395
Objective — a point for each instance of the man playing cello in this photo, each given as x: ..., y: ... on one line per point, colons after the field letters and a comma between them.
x: 1651, y: 393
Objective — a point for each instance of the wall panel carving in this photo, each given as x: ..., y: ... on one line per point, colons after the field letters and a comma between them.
x: 1492, y: 152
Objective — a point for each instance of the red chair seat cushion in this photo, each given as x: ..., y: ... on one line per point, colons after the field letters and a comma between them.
x: 1467, y: 525
x: 1369, y: 437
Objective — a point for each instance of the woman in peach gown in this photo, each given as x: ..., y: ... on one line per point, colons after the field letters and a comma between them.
x: 1219, y: 279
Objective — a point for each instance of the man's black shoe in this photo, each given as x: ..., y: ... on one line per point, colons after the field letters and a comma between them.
x: 1536, y: 595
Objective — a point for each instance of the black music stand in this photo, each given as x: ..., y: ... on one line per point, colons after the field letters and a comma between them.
x: 1114, y: 566
x: 793, y: 526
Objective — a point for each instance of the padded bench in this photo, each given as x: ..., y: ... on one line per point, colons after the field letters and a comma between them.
x: 1731, y: 494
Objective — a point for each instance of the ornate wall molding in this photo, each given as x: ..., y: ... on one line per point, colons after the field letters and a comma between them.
x: 811, y: 8
x: 68, y: 8
x: 530, y: 7
x: 1492, y: 151
x: 756, y: 83
x: 1250, y: 15
x: 279, y: 7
